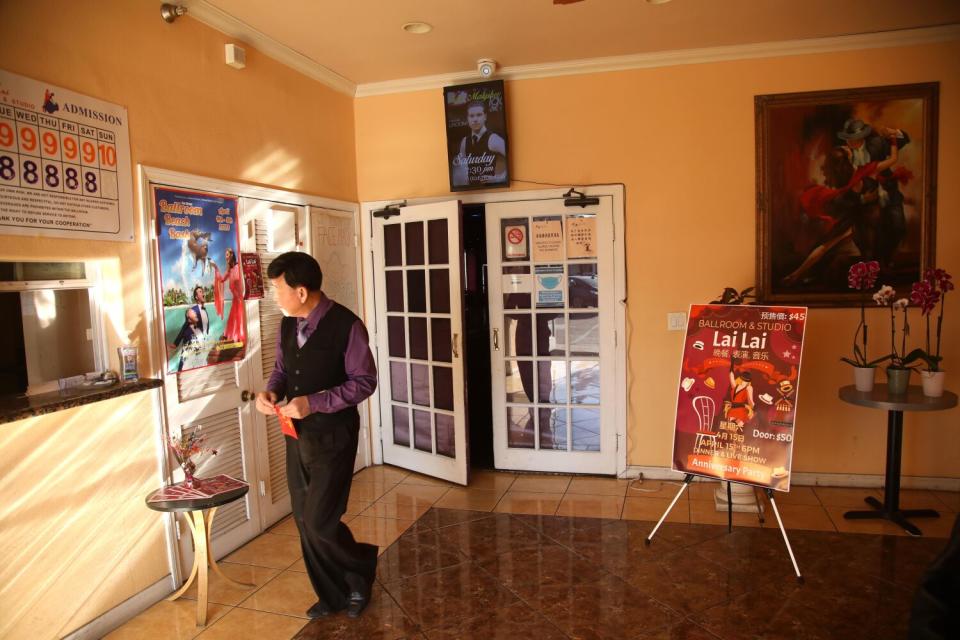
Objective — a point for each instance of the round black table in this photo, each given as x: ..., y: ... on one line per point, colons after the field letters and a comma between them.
x: 199, y: 516
x: 912, y: 400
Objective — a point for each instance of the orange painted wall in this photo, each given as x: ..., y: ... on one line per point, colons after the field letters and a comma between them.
x: 188, y: 112
x: 682, y: 141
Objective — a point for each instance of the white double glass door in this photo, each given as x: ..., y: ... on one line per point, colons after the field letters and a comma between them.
x: 552, y: 326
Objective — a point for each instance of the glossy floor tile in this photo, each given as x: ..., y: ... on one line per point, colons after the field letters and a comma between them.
x: 559, y: 556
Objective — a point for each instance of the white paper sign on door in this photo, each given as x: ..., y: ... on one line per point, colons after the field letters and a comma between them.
x: 546, y: 237
x: 582, y: 237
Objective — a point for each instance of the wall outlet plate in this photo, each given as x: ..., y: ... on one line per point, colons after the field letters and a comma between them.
x: 677, y: 321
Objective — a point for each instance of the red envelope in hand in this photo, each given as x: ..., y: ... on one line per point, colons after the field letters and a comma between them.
x: 286, y: 424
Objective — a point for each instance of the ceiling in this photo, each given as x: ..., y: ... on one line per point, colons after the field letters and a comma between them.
x: 362, y: 40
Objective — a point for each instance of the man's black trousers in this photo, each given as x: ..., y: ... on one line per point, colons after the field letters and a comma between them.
x: 319, y: 473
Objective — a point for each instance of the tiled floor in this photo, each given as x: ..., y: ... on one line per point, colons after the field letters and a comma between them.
x: 541, y: 556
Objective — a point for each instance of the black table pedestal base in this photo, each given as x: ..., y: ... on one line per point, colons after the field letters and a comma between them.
x: 896, y: 516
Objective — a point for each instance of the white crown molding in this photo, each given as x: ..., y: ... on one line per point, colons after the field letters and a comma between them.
x: 216, y: 18
x: 900, y: 38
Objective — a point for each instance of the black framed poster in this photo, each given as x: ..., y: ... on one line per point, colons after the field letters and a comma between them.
x: 476, y: 135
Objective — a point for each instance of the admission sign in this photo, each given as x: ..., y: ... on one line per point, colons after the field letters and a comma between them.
x: 737, y: 393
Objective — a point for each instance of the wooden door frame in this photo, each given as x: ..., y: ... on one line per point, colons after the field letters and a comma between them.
x: 615, y: 191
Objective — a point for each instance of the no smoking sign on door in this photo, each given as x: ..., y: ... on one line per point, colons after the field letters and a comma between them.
x: 516, y: 242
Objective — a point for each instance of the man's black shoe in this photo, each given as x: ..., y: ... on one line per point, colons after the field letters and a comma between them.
x: 358, y: 602
x: 318, y: 610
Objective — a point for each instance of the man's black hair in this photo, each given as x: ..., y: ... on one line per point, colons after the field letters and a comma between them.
x: 195, y: 292
x: 298, y: 270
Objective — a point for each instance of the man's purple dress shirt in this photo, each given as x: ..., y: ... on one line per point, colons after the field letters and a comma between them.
x: 357, y: 362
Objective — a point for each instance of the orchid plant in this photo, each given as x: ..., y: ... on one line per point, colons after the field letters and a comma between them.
x: 862, y: 276
x: 926, y: 294
x: 886, y: 296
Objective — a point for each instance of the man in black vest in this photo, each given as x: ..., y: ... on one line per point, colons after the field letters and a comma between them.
x: 482, y: 155
x: 324, y: 368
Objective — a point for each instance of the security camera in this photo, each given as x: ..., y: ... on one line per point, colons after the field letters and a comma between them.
x: 486, y: 67
x: 170, y: 12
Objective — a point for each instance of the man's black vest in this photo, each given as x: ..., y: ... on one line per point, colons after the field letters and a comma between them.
x: 480, y: 146
x: 318, y: 364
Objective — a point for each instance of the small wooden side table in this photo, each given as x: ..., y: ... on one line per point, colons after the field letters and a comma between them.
x: 912, y: 400
x: 199, y: 514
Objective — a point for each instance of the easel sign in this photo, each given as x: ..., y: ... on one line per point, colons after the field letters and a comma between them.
x: 737, y: 393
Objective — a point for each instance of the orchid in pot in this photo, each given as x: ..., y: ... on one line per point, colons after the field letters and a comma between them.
x: 862, y: 276
x: 926, y: 294
x: 898, y: 371
x: 184, y: 447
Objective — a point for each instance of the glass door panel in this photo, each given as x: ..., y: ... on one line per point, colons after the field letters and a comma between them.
x: 552, y: 337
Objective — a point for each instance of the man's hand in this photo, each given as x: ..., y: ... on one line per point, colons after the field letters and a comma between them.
x: 298, y: 407
x: 265, y: 402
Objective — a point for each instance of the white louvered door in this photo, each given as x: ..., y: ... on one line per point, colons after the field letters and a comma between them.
x: 213, y: 398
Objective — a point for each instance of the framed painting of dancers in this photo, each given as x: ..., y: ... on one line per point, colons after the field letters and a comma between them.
x: 844, y: 176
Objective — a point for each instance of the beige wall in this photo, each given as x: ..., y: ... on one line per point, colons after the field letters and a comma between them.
x: 682, y: 140
x: 76, y: 538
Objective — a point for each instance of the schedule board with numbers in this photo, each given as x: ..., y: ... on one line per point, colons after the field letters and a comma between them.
x: 64, y: 163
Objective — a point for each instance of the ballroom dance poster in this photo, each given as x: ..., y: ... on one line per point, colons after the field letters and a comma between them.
x: 737, y: 393
x: 202, y: 279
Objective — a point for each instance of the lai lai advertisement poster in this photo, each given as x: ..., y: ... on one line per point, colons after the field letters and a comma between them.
x: 204, y: 319
x: 737, y: 393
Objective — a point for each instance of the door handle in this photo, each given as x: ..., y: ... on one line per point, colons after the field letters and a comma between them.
x: 247, y: 396
x: 496, y: 339
x: 456, y: 345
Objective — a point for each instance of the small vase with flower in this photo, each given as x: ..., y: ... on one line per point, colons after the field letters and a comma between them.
x: 926, y: 294
x: 184, y: 447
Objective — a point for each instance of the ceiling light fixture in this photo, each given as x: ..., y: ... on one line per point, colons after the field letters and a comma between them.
x: 486, y: 67
x: 417, y: 27
x: 657, y: 1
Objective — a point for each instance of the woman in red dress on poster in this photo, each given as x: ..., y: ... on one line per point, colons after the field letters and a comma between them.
x: 739, y: 407
x: 236, y: 327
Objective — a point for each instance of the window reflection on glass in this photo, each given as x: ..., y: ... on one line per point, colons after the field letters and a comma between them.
x: 552, y: 381
x: 446, y: 442
x: 582, y: 285
x: 586, y: 429
x: 395, y: 291
x: 392, y: 251
x: 420, y: 383
x: 584, y: 334
x: 585, y: 382
x: 551, y: 334
x: 422, y: 437
x: 416, y: 291
x: 414, y: 237
x: 553, y: 428
x: 418, y: 338
x: 401, y: 426
x: 514, y: 386
x: 520, y: 428
x: 398, y: 381
x: 517, y: 335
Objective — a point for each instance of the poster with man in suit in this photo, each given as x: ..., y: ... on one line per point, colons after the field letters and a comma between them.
x: 476, y: 136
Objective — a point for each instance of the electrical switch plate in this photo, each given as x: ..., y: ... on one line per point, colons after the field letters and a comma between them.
x: 677, y: 321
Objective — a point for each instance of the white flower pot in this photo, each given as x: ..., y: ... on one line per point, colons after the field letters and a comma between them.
x: 933, y: 383
x: 863, y: 378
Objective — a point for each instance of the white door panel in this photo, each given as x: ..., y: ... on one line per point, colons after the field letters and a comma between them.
x: 418, y: 293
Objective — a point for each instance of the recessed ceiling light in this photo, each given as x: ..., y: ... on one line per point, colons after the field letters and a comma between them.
x: 657, y: 1
x: 417, y: 27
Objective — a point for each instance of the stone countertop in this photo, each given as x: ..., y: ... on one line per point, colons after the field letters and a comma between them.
x: 13, y: 408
